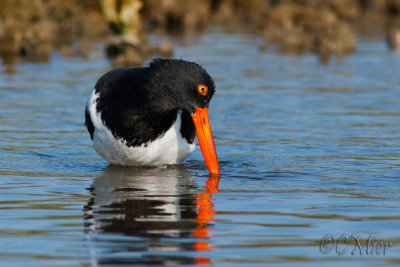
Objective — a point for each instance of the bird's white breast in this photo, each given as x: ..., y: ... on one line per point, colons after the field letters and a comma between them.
x: 169, y: 148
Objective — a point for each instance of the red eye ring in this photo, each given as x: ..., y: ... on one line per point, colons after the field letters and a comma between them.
x: 202, y: 89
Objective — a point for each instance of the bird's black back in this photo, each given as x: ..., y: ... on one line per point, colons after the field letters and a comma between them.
x: 129, y: 106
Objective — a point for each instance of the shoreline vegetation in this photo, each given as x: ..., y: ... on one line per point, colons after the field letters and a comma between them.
x: 31, y: 29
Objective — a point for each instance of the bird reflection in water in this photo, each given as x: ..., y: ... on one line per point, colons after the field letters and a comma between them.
x: 149, y: 216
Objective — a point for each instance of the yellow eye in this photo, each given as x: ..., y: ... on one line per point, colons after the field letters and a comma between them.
x: 202, y: 89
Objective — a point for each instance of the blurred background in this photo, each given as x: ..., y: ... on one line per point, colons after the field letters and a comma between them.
x: 30, y: 30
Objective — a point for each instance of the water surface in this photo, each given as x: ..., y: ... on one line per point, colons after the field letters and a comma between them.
x: 306, y: 150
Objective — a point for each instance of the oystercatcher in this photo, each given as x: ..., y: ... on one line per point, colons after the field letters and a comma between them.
x: 149, y: 115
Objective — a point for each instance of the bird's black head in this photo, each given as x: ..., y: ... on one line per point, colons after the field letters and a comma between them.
x: 182, y: 84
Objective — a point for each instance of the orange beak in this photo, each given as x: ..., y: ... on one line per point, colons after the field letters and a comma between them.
x: 206, y: 139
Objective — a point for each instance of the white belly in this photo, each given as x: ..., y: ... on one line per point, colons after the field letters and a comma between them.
x: 170, y: 148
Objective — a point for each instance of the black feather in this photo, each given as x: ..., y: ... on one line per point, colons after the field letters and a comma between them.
x: 89, y: 123
x: 139, y: 105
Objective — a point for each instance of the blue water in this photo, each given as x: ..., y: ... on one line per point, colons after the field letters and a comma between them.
x: 308, y: 152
